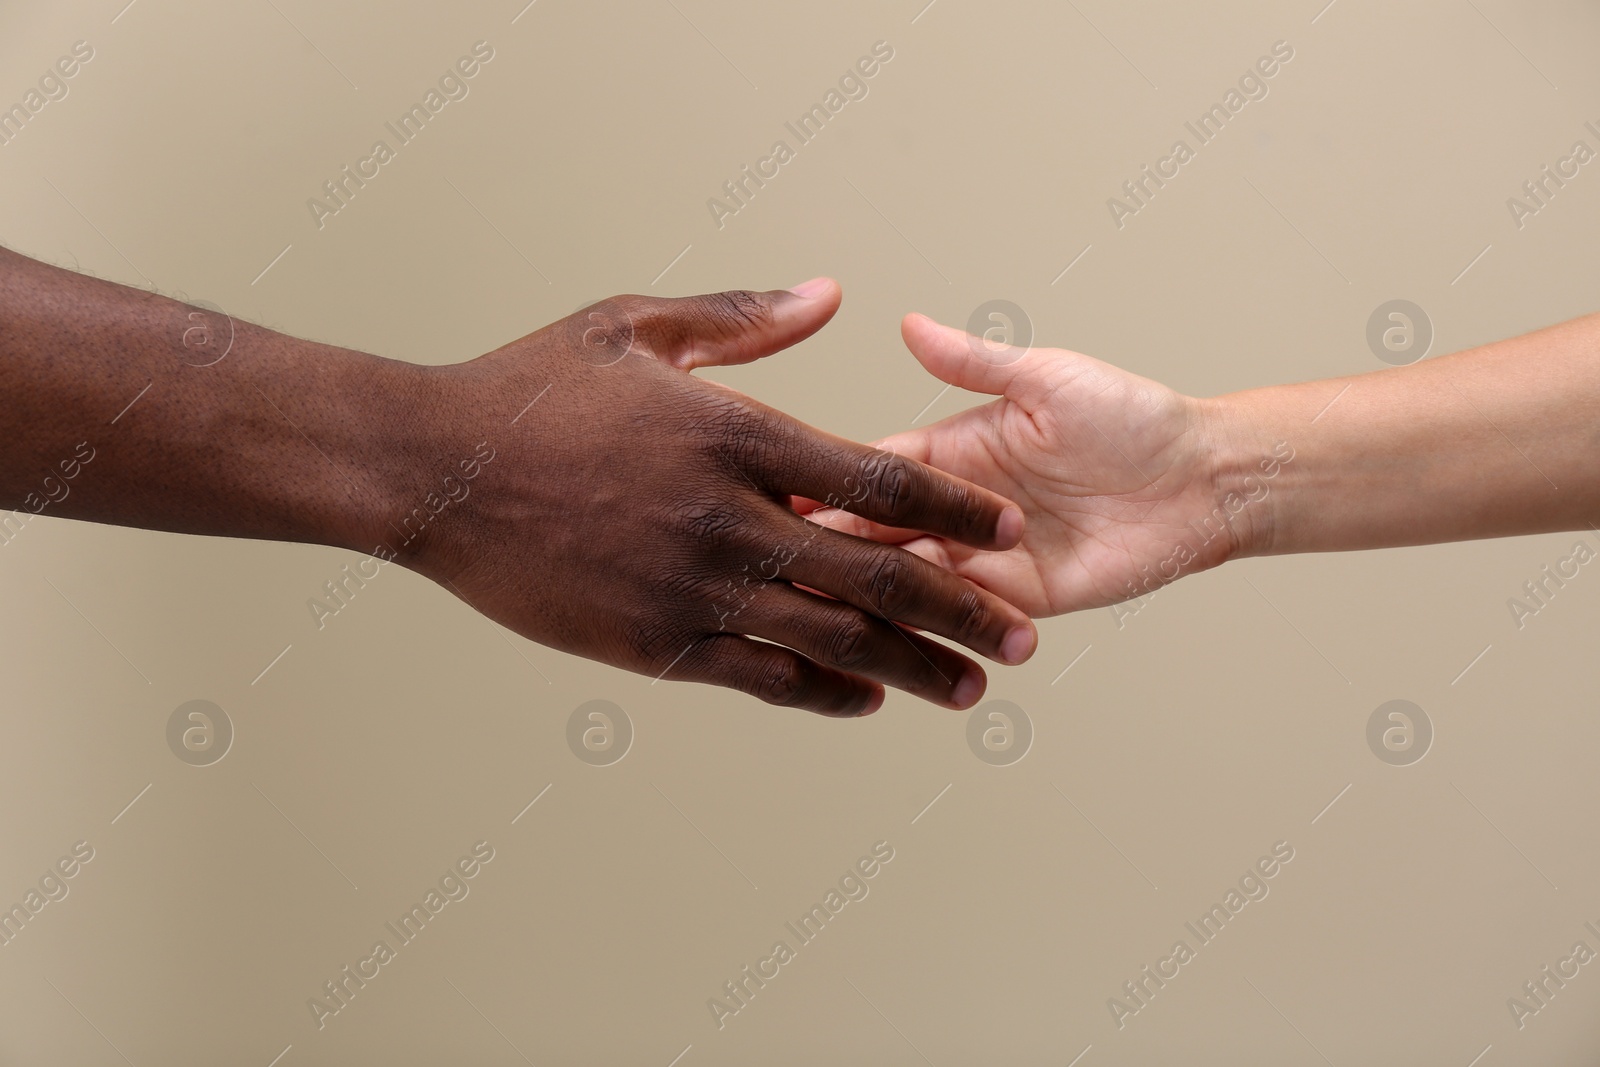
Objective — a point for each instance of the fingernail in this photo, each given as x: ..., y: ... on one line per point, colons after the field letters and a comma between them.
x: 872, y: 705
x: 1018, y: 645
x: 968, y: 690
x: 812, y: 289
x: 1008, y: 531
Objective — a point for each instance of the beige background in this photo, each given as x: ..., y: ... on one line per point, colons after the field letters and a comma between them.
x: 1223, y: 718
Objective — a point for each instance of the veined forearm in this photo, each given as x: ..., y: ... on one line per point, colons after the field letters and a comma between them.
x: 126, y: 407
x: 1489, y: 442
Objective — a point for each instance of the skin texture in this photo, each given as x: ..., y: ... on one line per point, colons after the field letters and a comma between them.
x: 1128, y: 485
x: 577, y: 485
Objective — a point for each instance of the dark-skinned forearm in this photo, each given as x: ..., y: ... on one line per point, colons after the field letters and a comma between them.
x: 638, y: 515
x: 126, y: 407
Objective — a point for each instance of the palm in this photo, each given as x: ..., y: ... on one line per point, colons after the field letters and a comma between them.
x: 1107, y: 467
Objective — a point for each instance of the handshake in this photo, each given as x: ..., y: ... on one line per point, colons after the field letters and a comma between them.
x: 663, y: 523
x: 625, y: 510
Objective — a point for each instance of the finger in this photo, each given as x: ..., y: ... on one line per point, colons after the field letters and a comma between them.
x: 854, y: 525
x: 975, y: 363
x: 789, y: 457
x: 954, y: 558
x: 776, y: 675
x: 913, y: 445
x: 739, y: 326
x: 1009, y: 575
x: 917, y: 445
x: 861, y: 644
x: 844, y: 522
x: 900, y: 587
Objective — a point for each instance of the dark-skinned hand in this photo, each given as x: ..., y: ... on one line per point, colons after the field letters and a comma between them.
x: 641, y: 516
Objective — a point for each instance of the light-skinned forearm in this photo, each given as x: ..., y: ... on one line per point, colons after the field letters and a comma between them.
x: 1489, y: 442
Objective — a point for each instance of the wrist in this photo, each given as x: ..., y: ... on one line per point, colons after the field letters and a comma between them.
x: 1246, y: 465
x: 434, y: 432
x: 380, y: 433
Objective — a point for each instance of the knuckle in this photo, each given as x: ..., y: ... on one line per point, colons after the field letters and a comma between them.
x: 712, y: 526
x: 736, y: 309
x: 892, y: 484
x: 645, y: 319
x: 677, y: 324
x: 607, y: 324
x: 968, y: 508
x: 973, y: 616
x: 886, y: 587
x: 744, y: 426
x: 612, y: 309
x: 633, y: 307
x: 734, y: 427
x: 850, y: 645
x: 928, y: 679
x: 781, y: 682
x: 653, y: 640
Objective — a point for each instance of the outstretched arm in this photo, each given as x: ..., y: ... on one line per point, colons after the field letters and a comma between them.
x: 1128, y: 485
x: 1493, y: 441
x: 576, y: 485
